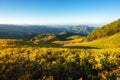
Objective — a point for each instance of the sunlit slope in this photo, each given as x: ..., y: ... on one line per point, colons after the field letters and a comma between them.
x: 107, y: 30
x: 7, y: 43
x: 71, y: 40
x: 107, y: 42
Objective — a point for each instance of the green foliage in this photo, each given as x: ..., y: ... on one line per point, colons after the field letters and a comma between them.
x: 106, y: 30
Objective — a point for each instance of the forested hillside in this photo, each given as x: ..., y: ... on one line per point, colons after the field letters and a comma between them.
x: 104, y: 31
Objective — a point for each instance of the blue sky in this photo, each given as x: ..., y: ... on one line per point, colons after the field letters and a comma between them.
x: 97, y: 12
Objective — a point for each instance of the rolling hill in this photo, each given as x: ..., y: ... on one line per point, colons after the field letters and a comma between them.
x: 106, y: 42
x: 107, y: 36
x: 107, y: 30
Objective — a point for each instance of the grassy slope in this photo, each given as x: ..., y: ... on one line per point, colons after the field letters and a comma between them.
x: 107, y: 30
x: 74, y: 39
x: 107, y: 42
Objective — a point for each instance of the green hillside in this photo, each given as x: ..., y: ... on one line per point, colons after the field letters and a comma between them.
x: 104, y: 31
x: 107, y: 42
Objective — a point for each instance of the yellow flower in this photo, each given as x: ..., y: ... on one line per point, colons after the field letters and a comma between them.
x: 54, y: 62
x: 96, y: 66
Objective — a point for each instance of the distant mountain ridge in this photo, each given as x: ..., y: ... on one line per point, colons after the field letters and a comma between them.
x: 31, y: 28
x: 81, y: 29
x: 20, y: 31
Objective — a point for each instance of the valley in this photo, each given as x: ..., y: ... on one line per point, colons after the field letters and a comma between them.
x: 62, y: 56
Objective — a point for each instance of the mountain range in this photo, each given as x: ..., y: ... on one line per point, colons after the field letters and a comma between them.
x: 20, y: 31
x: 81, y: 29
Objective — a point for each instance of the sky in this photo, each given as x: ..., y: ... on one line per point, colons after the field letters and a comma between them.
x: 59, y: 12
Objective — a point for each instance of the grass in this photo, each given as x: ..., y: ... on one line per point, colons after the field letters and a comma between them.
x: 107, y: 42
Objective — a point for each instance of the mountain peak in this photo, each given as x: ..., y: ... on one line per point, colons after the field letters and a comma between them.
x: 81, y: 29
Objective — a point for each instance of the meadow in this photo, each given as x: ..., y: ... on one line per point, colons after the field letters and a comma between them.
x: 42, y: 63
x: 102, y: 43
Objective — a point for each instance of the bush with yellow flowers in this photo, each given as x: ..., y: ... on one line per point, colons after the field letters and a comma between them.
x: 34, y: 63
